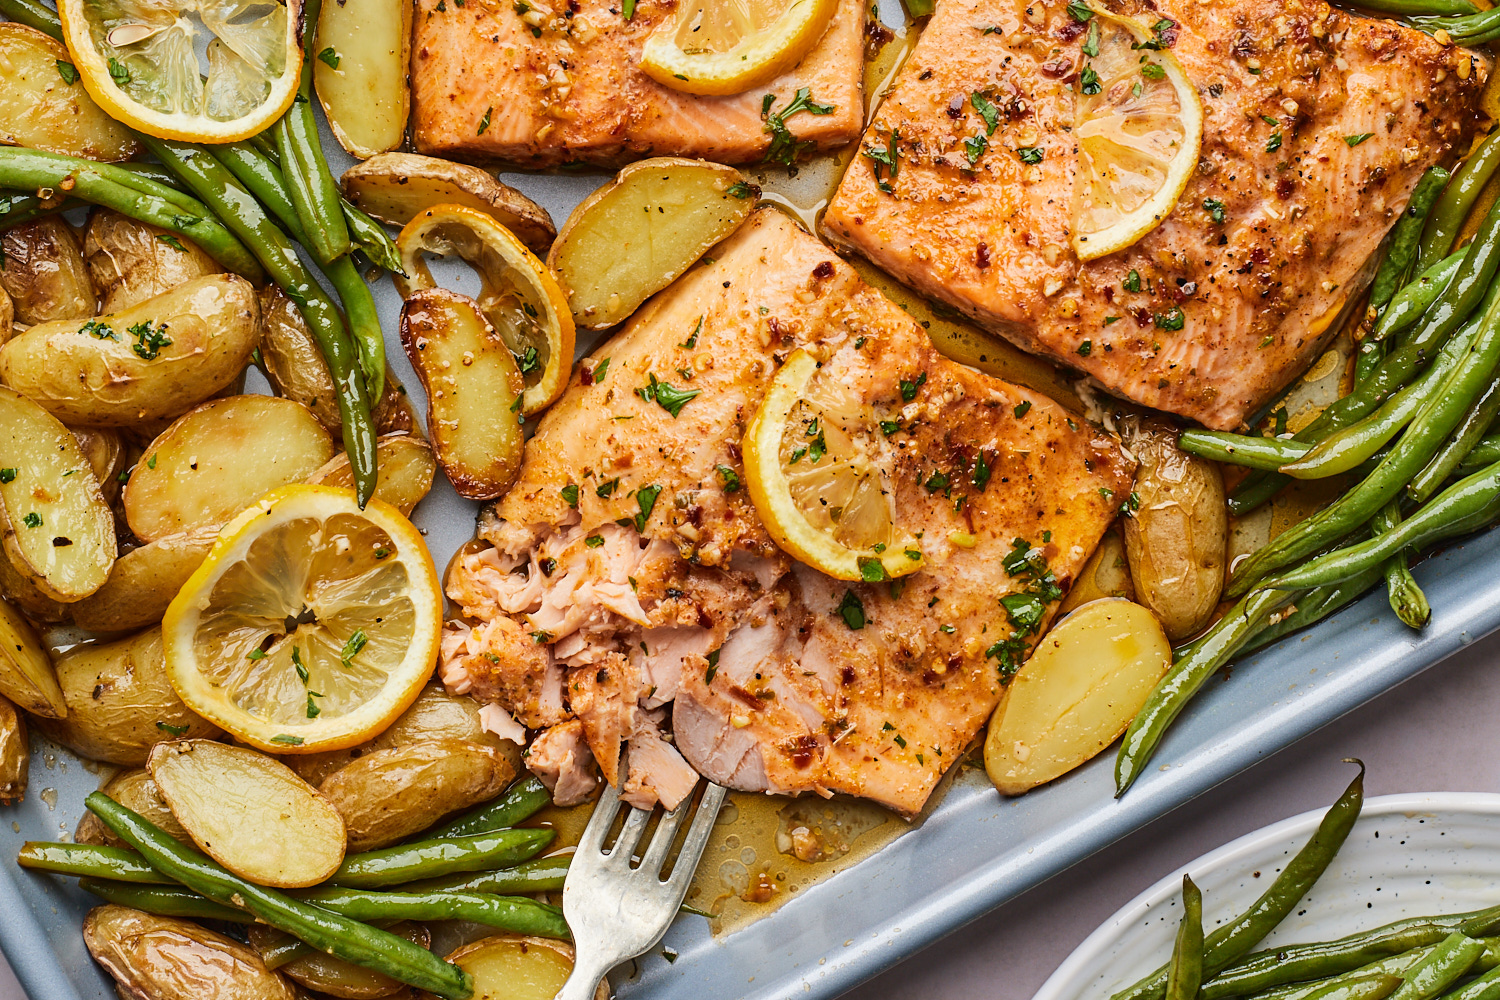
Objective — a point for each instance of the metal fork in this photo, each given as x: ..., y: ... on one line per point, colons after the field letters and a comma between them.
x: 617, y: 912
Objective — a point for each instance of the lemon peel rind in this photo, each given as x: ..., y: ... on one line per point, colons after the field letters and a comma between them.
x: 769, y: 53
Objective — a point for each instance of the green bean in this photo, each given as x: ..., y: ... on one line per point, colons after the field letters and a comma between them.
x: 371, y: 238
x: 153, y: 172
x: 1312, y: 607
x: 1349, y: 446
x: 1193, y: 665
x: 34, y: 15
x: 1466, y: 506
x: 364, y: 321
x: 208, y: 179
x: 1233, y: 940
x: 1469, y: 287
x: 1463, y: 29
x: 129, y: 194
x: 1411, y: 8
x: 1426, y: 433
x: 1185, y: 969
x: 1368, y: 355
x: 1367, y: 988
x: 1486, y: 987
x: 1401, y: 588
x: 164, y: 902
x: 328, y: 932
x: 1406, y: 237
x: 541, y: 875
x: 1256, y: 489
x: 91, y: 860
x: 1453, y: 207
x: 434, y: 858
x: 1248, y: 450
x: 1441, y: 969
x: 1452, y: 453
x: 16, y: 209
x: 1395, y: 965
x: 1412, y: 300
x: 516, y: 914
x: 1486, y: 452
x: 275, y: 954
x: 308, y: 178
x: 522, y: 800
x: 263, y: 179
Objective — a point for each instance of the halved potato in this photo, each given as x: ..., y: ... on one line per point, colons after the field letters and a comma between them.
x: 406, y: 464
x: 166, y: 958
x: 473, y: 390
x: 15, y: 753
x: 59, y: 532
x: 134, y: 790
x: 363, y: 50
x: 1077, y: 693
x: 220, y: 458
x: 435, y: 715
x: 388, y: 795
x: 1106, y: 574
x: 44, y: 273
x: 143, y: 582
x: 44, y: 105
x: 105, y: 450
x: 20, y: 591
x: 249, y: 812
x: 120, y: 703
x: 335, y: 977
x: 639, y: 233
x: 26, y: 674
x: 132, y: 261
x: 515, y: 967
x: 396, y: 187
x: 150, y: 362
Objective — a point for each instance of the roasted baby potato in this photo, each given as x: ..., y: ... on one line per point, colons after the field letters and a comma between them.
x: 473, y: 390
x: 15, y: 753
x: 59, y: 532
x: 134, y: 790
x: 44, y: 104
x: 387, y: 795
x: 364, y: 50
x: 335, y: 977
x: 1077, y: 693
x: 406, y: 464
x: 435, y: 715
x: 26, y: 674
x: 514, y: 967
x: 105, y: 451
x: 396, y: 187
x: 143, y: 582
x: 1176, y: 539
x: 220, y: 458
x: 7, y: 316
x: 249, y: 812
x: 151, y: 362
x: 132, y: 261
x: 1106, y: 574
x: 639, y: 233
x: 165, y: 958
x: 44, y: 273
x: 120, y: 703
x: 20, y: 591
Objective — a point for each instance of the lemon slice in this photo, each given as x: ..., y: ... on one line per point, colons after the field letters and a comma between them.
x: 310, y: 626
x: 518, y: 294
x: 814, y: 468
x: 730, y: 46
x: 1139, y: 129
x: 139, y: 61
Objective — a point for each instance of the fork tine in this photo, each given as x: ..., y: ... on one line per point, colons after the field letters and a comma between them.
x: 599, y: 823
x: 666, y: 832
x: 697, y: 838
x: 630, y: 835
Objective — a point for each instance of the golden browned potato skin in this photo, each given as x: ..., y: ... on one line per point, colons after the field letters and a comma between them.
x: 120, y: 703
x: 7, y: 316
x: 44, y: 273
x: 41, y: 110
x: 164, y: 958
x: 99, y: 379
x: 132, y: 261
x: 337, y: 978
x: 14, y: 753
x: 143, y: 582
x: 134, y: 790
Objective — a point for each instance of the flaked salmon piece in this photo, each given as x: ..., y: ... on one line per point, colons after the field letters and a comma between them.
x: 774, y: 682
x: 561, y: 758
x: 1317, y: 125
x: 544, y: 83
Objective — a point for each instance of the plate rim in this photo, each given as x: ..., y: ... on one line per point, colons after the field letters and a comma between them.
x: 1055, y: 987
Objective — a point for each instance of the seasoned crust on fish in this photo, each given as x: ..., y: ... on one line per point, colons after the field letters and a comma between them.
x: 1287, y: 88
x: 544, y: 83
x: 631, y: 554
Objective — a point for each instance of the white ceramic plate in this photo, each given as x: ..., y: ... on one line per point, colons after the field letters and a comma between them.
x: 1407, y: 856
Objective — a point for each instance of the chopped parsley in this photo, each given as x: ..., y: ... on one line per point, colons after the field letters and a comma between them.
x: 149, y: 340
x: 852, y: 611
x: 356, y: 642
x: 1132, y: 282
x: 784, y: 148
x: 329, y: 58
x: 7, y: 475
x: 909, y: 387
x: 692, y: 340
x: 32, y: 520
x: 730, y: 477
x: 167, y: 727
x: 1153, y: 71
x: 605, y: 490
x: 889, y: 427
x: 871, y: 570
x: 1086, y: 348
x: 979, y: 475
x: 118, y: 72
x: 987, y: 111
x: 484, y: 123
x: 666, y: 395
x: 529, y: 361
x: 1027, y: 609
x: 645, y: 500
x: 298, y: 665
x: 1088, y: 81
x: 594, y: 541
x: 974, y: 147
x: 570, y: 495
x: 742, y: 190
x: 313, y: 711
x: 175, y: 244
x: 98, y: 329
x: 599, y: 370
x: 256, y: 654
x: 1030, y: 154
x: 1172, y: 319
x: 1355, y: 140
x: 1273, y: 143
x: 1215, y: 209
x: 291, y: 741
x: 1131, y: 504
x: 713, y: 667
x: 67, y: 71
x: 888, y: 159
x: 1079, y: 10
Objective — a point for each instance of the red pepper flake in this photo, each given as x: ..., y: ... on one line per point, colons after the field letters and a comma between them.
x: 1285, y: 187
x: 823, y: 271
x: 1057, y: 68
x: 982, y: 256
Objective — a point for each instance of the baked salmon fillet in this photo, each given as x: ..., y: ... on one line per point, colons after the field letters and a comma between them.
x: 1317, y: 126
x: 546, y: 82
x: 625, y: 592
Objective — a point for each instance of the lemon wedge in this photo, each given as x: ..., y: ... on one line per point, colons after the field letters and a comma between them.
x: 311, y: 625
x: 1139, y: 128
x: 731, y: 46
x: 518, y: 293
x: 817, y: 473
x: 139, y: 61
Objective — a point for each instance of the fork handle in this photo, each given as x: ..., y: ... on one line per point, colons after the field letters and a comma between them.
x: 583, y: 983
